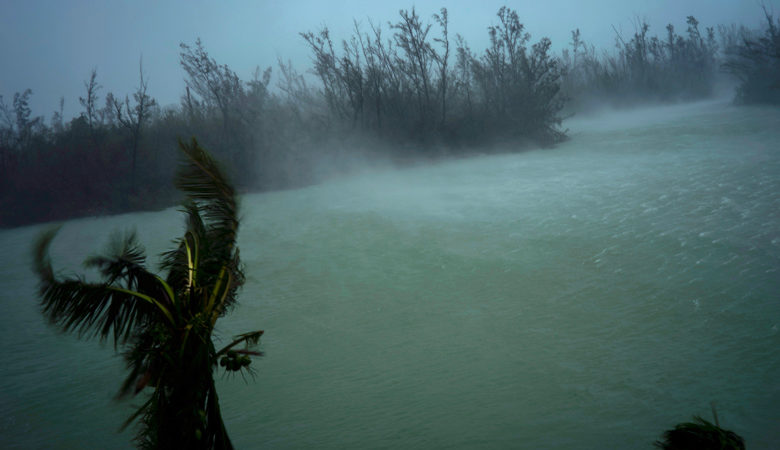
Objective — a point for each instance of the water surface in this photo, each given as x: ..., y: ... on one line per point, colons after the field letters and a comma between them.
x: 587, y: 296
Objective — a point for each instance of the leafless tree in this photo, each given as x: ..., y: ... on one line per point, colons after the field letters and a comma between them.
x: 412, y: 37
x: 442, y: 60
x: 90, y: 101
x: 133, y: 118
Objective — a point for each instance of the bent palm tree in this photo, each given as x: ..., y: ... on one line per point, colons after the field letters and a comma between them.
x: 166, y: 324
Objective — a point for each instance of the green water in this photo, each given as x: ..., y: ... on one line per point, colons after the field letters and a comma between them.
x: 587, y: 297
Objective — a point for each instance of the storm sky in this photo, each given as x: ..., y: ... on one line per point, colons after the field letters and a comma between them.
x: 51, y: 46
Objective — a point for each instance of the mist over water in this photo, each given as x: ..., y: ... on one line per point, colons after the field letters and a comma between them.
x: 586, y: 296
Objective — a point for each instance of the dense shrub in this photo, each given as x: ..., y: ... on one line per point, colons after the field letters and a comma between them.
x: 405, y: 88
x: 754, y: 59
x: 645, y: 67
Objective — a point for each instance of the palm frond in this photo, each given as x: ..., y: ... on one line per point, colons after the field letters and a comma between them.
x: 97, y: 309
x: 700, y: 434
x: 123, y: 257
x: 175, y: 261
x: 201, y: 178
x: 123, y: 265
x: 249, y: 339
x: 212, y: 220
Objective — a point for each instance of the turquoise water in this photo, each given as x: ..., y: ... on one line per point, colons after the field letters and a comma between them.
x: 588, y: 296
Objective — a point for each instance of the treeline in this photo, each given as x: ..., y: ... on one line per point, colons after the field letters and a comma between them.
x: 675, y: 67
x: 424, y: 86
x: 672, y: 67
x: 409, y: 90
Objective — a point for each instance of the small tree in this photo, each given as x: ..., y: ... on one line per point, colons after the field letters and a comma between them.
x: 219, y: 92
x: 90, y: 101
x: 327, y: 69
x: 57, y: 116
x: 218, y: 86
x: 411, y: 37
x: 442, y: 60
x: 134, y: 118
x: 520, y: 89
x: 166, y: 324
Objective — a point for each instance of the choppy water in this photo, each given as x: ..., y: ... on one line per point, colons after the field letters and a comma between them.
x: 589, y: 296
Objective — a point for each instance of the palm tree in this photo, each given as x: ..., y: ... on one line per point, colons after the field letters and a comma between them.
x: 165, y: 324
x: 700, y: 435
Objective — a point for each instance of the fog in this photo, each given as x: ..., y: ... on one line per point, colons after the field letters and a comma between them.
x: 344, y: 88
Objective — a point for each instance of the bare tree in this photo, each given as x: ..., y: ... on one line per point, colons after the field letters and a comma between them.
x: 442, y: 60
x: 90, y: 101
x: 19, y: 129
x: 412, y: 38
x: 216, y: 85
x: 464, y: 72
x: 6, y: 138
x: 352, y: 73
x: 57, y: 117
x: 327, y: 70
x: 218, y: 90
x: 133, y: 118
x: 297, y: 93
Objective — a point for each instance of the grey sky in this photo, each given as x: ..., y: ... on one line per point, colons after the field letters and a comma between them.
x: 51, y: 46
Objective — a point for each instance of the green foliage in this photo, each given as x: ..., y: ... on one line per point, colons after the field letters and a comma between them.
x: 165, y: 324
x: 700, y: 435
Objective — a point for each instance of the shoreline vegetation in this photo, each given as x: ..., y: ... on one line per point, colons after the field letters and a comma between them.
x: 412, y: 90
